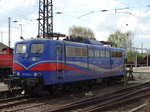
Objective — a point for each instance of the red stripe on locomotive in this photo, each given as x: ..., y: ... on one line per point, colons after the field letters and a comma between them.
x: 17, y: 67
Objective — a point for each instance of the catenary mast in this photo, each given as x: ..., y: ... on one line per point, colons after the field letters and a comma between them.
x: 45, y: 25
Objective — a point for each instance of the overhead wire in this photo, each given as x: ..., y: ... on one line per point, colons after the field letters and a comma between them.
x: 116, y: 8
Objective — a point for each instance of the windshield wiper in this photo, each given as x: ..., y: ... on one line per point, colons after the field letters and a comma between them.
x: 18, y: 52
x: 38, y: 51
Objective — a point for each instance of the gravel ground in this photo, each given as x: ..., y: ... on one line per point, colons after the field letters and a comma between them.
x: 64, y: 99
x: 139, y: 78
x: 142, y: 76
x: 3, y: 87
x: 96, y: 90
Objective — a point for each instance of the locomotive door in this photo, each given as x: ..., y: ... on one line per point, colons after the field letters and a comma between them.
x: 108, y: 55
x: 59, y: 61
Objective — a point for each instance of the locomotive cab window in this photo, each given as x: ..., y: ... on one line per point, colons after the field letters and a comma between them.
x: 37, y: 48
x: 21, y: 48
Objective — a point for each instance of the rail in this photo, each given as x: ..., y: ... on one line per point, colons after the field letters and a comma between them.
x: 9, y: 102
x: 104, y: 99
x: 115, y: 96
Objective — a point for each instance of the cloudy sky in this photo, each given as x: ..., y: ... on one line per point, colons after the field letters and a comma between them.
x: 123, y: 15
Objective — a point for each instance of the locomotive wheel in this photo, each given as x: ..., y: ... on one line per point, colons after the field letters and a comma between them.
x: 66, y: 87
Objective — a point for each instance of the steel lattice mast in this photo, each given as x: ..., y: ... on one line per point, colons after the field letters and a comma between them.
x: 45, y: 26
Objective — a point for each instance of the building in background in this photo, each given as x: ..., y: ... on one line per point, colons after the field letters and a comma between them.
x: 2, y: 46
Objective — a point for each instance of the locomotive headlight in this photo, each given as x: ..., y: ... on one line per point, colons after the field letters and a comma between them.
x: 18, y: 74
x: 35, y: 74
x: 34, y: 59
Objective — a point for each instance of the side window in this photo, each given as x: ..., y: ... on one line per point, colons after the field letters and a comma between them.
x: 120, y: 54
x: 113, y: 54
x: 69, y: 51
x: 116, y: 54
x: 78, y: 52
x: 107, y: 54
x: 84, y: 52
x: 96, y: 53
x: 102, y: 53
x: 91, y: 53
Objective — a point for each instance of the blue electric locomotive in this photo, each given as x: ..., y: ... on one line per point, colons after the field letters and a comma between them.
x: 45, y: 63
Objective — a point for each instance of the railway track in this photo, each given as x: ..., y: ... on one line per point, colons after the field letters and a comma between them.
x: 13, y: 101
x: 102, y: 102
x: 120, y: 101
x: 108, y: 101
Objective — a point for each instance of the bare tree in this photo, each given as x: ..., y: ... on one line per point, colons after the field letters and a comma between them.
x: 79, y: 31
x: 122, y: 40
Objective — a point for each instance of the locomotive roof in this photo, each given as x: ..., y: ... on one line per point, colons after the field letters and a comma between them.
x: 66, y: 41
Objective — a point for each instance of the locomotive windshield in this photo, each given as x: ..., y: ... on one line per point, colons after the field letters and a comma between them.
x: 37, y: 48
x: 21, y: 48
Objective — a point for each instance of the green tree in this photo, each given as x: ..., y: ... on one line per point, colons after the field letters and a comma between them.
x: 131, y: 56
x: 122, y: 40
x: 79, y: 31
x: 140, y: 59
